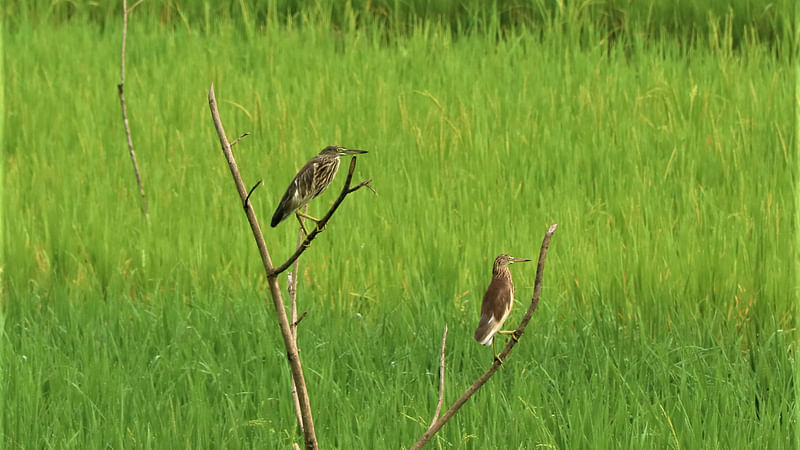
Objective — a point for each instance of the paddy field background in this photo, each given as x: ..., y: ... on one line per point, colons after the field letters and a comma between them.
x: 661, y: 139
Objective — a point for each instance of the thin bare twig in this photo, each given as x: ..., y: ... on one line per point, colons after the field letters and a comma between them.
x: 300, y: 319
x: 128, y: 10
x: 246, y: 202
x: 441, y: 378
x: 235, y: 141
x: 346, y: 190
x: 121, y: 91
x: 277, y: 301
x: 537, y: 291
x: 292, y: 286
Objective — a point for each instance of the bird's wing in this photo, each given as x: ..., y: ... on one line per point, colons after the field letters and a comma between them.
x: 494, y: 310
x: 296, y: 194
x: 496, y: 300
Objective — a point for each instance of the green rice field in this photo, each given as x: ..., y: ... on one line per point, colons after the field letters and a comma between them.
x: 663, y: 142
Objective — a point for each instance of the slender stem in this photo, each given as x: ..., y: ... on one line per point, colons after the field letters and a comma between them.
x: 441, y: 378
x: 121, y: 91
x: 272, y: 280
x: 292, y: 287
x: 537, y: 291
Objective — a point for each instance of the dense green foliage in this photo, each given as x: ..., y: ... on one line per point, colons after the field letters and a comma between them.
x: 667, y: 317
x: 762, y: 20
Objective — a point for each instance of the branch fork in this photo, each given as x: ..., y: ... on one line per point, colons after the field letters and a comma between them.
x: 537, y: 292
x: 288, y: 328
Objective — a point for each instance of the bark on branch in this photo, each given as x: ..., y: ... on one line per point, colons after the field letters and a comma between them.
x: 121, y: 90
x: 537, y: 291
x: 277, y: 301
x: 441, y: 378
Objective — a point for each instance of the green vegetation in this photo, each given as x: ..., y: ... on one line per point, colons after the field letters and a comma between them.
x: 667, y: 317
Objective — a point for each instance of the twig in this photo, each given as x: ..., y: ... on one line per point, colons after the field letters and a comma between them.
x: 300, y: 319
x: 537, y: 291
x: 346, y: 190
x: 121, y: 91
x: 246, y: 202
x: 277, y: 301
x: 441, y: 379
x: 292, y: 287
x: 235, y: 141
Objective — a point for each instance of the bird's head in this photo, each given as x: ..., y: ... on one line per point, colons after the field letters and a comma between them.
x: 504, y: 260
x: 338, y: 150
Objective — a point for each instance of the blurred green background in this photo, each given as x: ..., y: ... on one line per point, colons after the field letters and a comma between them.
x: 661, y: 137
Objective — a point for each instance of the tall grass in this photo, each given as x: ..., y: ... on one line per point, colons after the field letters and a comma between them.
x: 668, y: 311
x: 767, y: 21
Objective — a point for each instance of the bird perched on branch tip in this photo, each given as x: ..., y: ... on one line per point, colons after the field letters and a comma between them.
x: 497, y: 302
x: 312, y: 179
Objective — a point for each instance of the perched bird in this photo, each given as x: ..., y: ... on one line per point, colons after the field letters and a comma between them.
x: 312, y: 180
x: 497, y: 302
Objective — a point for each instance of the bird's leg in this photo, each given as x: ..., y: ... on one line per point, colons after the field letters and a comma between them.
x: 317, y: 221
x: 512, y: 333
x: 300, y: 219
x: 496, y: 356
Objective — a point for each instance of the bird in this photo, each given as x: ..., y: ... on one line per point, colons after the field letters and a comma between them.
x: 497, y: 302
x: 312, y: 179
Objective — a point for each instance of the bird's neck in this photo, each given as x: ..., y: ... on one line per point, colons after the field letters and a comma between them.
x: 501, y: 272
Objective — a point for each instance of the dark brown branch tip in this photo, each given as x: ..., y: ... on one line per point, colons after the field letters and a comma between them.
x: 245, y: 134
x: 246, y: 202
x: 360, y: 185
x: 302, y: 316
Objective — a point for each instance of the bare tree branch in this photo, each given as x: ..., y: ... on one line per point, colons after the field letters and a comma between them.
x: 346, y: 190
x: 236, y: 141
x: 537, y: 291
x: 246, y: 202
x: 128, y: 10
x: 300, y: 319
x: 441, y: 378
x: 121, y: 91
x: 292, y: 287
x: 277, y: 301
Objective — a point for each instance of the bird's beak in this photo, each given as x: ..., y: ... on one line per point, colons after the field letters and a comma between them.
x: 352, y: 151
x: 515, y: 259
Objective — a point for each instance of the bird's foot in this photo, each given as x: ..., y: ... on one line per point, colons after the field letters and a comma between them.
x: 315, y: 220
x: 498, y: 359
x: 512, y: 333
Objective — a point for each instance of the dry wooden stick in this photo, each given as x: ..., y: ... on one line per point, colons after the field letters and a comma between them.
x: 292, y: 287
x: 441, y: 378
x: 291, y: 349
x: 537, y: 291
x: 121, y: 91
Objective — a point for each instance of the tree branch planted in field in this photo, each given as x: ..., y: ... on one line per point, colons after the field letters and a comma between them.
x: 286, y: 331
x: 121, y: 90
x: 537, y: 291
x: 292, y: 288
x: 441, y: 378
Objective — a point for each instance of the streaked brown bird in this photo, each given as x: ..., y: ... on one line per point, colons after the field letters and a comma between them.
x: 312, y: 180
x: 497, y: 302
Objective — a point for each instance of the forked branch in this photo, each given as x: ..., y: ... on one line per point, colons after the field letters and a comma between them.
x: 537, y: 291
x: 346, y: 190
x: 277, y: 301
